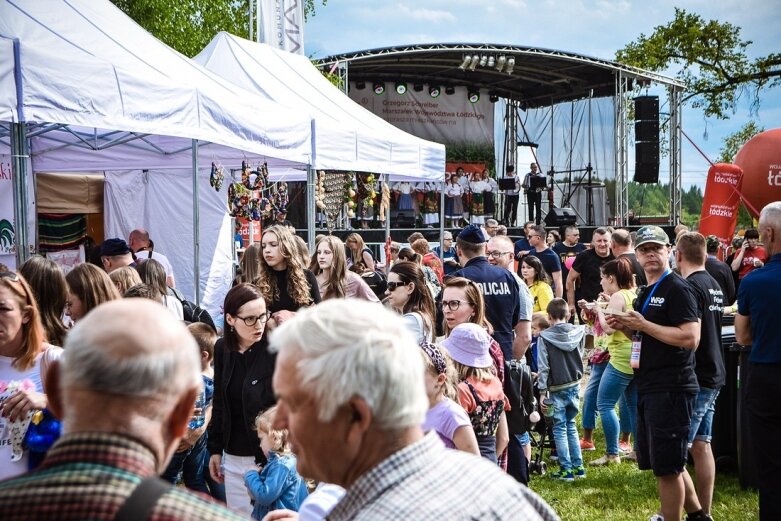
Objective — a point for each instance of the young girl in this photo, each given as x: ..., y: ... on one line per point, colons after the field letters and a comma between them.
x: 445, y: 416
x: 480, y: 392
x: 278, y: 485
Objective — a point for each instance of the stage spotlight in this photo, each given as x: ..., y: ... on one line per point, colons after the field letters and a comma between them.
x: 465, y: 63
x: 491, y: 61
x: 450, y: 91
x: 474, y: 96
x: 360, y: 85
x: 493, y: 98
x: 510, y: 65
x: 434, y: 92
x: 475, y: 61
x: 500, y: 63
x: 401, y: 88
x: 418, y: 87
x: 379, y: 88
x: 483, y: 60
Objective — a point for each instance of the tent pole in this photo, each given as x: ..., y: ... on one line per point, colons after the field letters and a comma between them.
x: 196, y: 227
x: 442, y: 222
x: 311, y: 186
x: 20, y: 154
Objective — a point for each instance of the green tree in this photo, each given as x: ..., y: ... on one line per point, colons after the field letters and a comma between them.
x: 309, y: 8
x: 711, y: 58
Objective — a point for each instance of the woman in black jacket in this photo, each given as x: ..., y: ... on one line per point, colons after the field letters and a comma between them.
x: 243, y: 368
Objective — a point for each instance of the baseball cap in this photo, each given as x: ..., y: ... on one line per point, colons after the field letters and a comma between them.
x: 112, y: 247
x: 651, y: 234
x: 472, y: 234
x: 468, y: 344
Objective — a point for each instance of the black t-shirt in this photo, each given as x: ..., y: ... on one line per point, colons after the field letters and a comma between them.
x: 723, y: 275
x: 285, y: 300
x: 640, y: 279
x: 550, y: 262
x: 565, y: 252
x: 666, y: 368
x: 587, y: 264
x: 709, y: 356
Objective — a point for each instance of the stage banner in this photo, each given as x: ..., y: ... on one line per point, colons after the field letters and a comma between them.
x: 721, y: 202
x: 447, y: 118
x: 7, y: 230
x: 282, y: 24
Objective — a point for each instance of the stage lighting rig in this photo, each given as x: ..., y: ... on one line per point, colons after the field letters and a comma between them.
x: 401, y: 88
x: 493, y: 98
x: 500, y: 61
x: 510, y: 65
x: 475, y: 61
x: 434, y: 91
x: 473, y: 96
x: 450, y: 91
x: 418, y: 87
x: 379, y: 87
x: 465, y: 63
x: 360, y: 85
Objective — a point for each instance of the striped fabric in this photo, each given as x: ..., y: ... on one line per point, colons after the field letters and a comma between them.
x: 58, y: 231
x: 89, y: 476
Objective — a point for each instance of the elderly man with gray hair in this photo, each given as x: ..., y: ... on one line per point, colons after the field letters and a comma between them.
x: 125, y: 389
x: 350, y: 389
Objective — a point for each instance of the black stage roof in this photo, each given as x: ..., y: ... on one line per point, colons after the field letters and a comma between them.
x: 539, y: 77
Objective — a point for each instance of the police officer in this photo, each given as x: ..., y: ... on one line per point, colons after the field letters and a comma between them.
x: 499, y: 288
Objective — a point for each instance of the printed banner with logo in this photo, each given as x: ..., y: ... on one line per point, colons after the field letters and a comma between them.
x: 7, y: 230
x: 282, y: 24
x: 721, y: 201
x: 448, y: 118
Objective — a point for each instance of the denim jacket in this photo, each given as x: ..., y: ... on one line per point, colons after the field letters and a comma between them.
x: 278, y: 485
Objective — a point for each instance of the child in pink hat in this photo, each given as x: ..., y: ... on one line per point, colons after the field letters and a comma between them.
x: 480, y: 392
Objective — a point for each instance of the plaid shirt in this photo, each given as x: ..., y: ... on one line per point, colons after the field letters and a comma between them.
x: 426, y: 481
x: 89, y: 476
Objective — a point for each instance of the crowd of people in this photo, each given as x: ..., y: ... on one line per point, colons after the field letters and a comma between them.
x: 347, y: 387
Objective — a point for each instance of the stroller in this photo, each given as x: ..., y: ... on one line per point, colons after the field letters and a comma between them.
x: 524, y: 397
x: 541, y: 434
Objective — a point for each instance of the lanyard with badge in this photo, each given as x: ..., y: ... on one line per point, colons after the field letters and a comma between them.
x: 637, y: 337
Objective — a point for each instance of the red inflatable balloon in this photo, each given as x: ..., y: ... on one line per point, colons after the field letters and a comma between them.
x: 760, y: 159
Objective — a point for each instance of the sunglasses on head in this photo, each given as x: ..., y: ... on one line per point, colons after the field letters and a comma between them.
x: 10, y: 275
x: 393, y: 285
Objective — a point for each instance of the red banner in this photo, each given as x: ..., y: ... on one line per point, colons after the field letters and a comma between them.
x: 244, y: 231
x: 721, y: 202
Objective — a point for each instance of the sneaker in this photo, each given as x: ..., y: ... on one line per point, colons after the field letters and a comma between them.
x: 580, y: 472
x: 700, y: 517
x: 624, y: 446
x: 554, y: 456
x: 587, y: 445
x: 563, y: 475
x: 656, y: 517
x: 607, y: 459
x: 632, y: 456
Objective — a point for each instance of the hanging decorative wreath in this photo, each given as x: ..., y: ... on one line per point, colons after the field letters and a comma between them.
x: 216, y: 177
x: 333, y: 191
x: 249, y: 198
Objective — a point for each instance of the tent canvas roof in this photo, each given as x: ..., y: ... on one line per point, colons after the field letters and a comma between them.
x: 347, y: 137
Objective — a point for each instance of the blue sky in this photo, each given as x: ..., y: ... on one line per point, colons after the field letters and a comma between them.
x: 595, y: 28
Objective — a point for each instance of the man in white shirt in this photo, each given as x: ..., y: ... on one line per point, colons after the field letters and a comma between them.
x: 143, y: 248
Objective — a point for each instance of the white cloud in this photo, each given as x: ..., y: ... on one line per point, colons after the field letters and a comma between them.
x: 426, y: 15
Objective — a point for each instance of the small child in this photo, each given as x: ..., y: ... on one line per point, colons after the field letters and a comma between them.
x: 560, y: 352
x: 480, y: 392
x: 192, y: 452
x: 539, y: 324
x: 445, y: 416
x: 278, y: 485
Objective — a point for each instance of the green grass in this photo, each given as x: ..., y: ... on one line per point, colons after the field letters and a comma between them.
x: 622, y: 492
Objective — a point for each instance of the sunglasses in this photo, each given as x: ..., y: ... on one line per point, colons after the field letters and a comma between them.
x: 251, y: 321
x: 393, y: 285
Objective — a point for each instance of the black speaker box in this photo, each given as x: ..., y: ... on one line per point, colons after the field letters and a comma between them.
x: 647, y: 107
x: 560, y: 217
x: 647, y: 130
x: 403, y: 218
x: 647, y: 172
x: 647, y: 152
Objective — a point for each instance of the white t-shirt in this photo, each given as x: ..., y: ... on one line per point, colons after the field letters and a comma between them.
x: 159, y: 257
x: 11, y: 378
x: 174, y: 306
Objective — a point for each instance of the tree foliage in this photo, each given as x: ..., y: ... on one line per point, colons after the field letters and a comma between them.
x: 711, y: 58
x: 188, y: 25
x: 310, y: 6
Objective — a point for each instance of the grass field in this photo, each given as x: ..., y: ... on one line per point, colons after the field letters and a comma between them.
x: 622, y: 492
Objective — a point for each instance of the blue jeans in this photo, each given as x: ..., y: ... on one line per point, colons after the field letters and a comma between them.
x: 702, y: 417
x: 565, y: 433
x: 191, y: 463
x: 590, y: 396
x: 615, y: 384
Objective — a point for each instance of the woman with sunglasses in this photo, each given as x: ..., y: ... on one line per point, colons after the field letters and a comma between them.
x: 408, y: 295
x: 329, y: 264
x: 536, y: 279
x: 284, y: 281
x: 243, y: 368
x: 24, y: 359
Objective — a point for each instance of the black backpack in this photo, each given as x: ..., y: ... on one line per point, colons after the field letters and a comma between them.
x: 193, y: 312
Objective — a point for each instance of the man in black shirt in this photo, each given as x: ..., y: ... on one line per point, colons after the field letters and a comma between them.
x: 533, y: 186
x: 621, y: 246
x: 583, y: 280
x: 690, y: 258
x: 548, y: 258
x: 567, y: 250
x: 665, y: 331
x: 720, y: 270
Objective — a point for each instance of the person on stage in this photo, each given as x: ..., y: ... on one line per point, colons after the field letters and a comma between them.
x: 533, y: 186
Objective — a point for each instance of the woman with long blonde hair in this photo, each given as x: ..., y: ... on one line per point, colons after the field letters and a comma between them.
x: 329, y: 264
x: 359, y: 253
x: 284, y: 281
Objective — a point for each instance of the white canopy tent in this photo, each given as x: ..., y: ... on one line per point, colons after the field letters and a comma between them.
x: 87, y: 89
x: 347, y: 137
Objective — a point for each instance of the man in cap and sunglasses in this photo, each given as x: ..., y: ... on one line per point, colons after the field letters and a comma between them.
x: 665, y: 330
